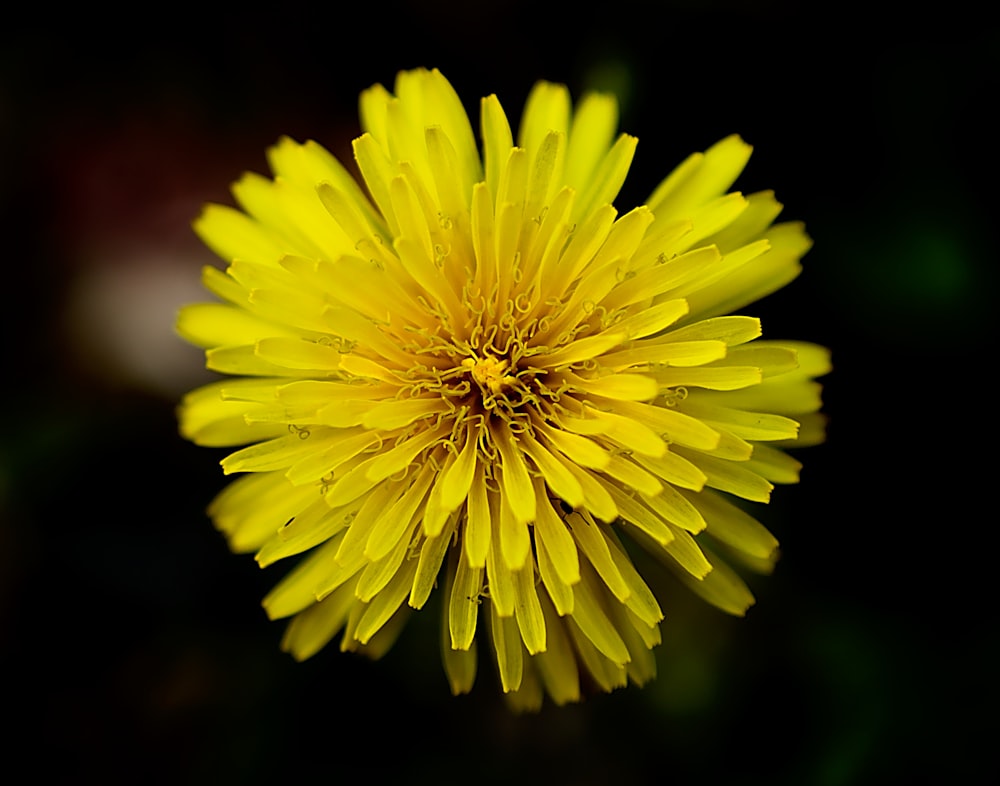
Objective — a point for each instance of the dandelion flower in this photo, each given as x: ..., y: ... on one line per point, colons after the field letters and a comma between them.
x: 471, y: 375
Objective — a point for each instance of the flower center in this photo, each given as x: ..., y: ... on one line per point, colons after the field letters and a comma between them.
x: 496, y: 387
x: 490, y: 372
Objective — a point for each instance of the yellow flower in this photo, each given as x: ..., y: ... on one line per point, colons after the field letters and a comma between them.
x: 479, y: 378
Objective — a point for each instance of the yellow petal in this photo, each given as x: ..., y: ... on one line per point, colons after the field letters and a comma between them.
x: 686, y: 554
x: 594, y: 623
x: 554, y: 535
x: 378, y: 573
x: 735, y: 477
x: 391, y: 461
x: 606, y: 673
x: 632, y: 476
x: 234, y: 235
x: 429, y: 564
x: 528, y: 611
x: 746, y: 425
x: 206, y: 418
x: 244, y: 361
x: 735, y: 527
x: 596, y: 497
x: 594, y: 545
x: 378, y: 172
x: 479, y: 521
x: 297, y: 590
x: 672, y: 506
x: 547, y: 109
x: 396, y: 520
x: 557, y: 665
x: 640, y: 516
x: 311, y: 629
x: 464, y: 602
x: 498, y: 573
x: 579, y: 450
x: 674, y: 469
x: 675, y: 427
x: 640, y: 600
x: 273, y: 454
x: 594, y: 123
x: 459, y: 662
x: 732, y: 331
x: 385, y: 604
x: 219, y: 324
x: 701, y: 177
x: 607, y: 179
x: 251, y: 509
x: 515, y: 543
x: 497, y: 140
x: 508, y: 648
x: 519, y: 494
x: 556, y: 474
x: 721, y: 587
x: 559, y: 591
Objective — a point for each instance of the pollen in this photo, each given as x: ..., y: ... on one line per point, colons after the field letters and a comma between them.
x: 491, y: 373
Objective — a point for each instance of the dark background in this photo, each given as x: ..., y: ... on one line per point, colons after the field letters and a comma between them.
x: 133, y: 645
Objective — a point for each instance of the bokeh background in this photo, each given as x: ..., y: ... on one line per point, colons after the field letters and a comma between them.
x: 133, y: 645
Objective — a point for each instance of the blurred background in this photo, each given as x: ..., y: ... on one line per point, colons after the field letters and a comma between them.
x: 133, y: 642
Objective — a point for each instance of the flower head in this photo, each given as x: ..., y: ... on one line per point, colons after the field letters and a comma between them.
x: 471, y: 375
